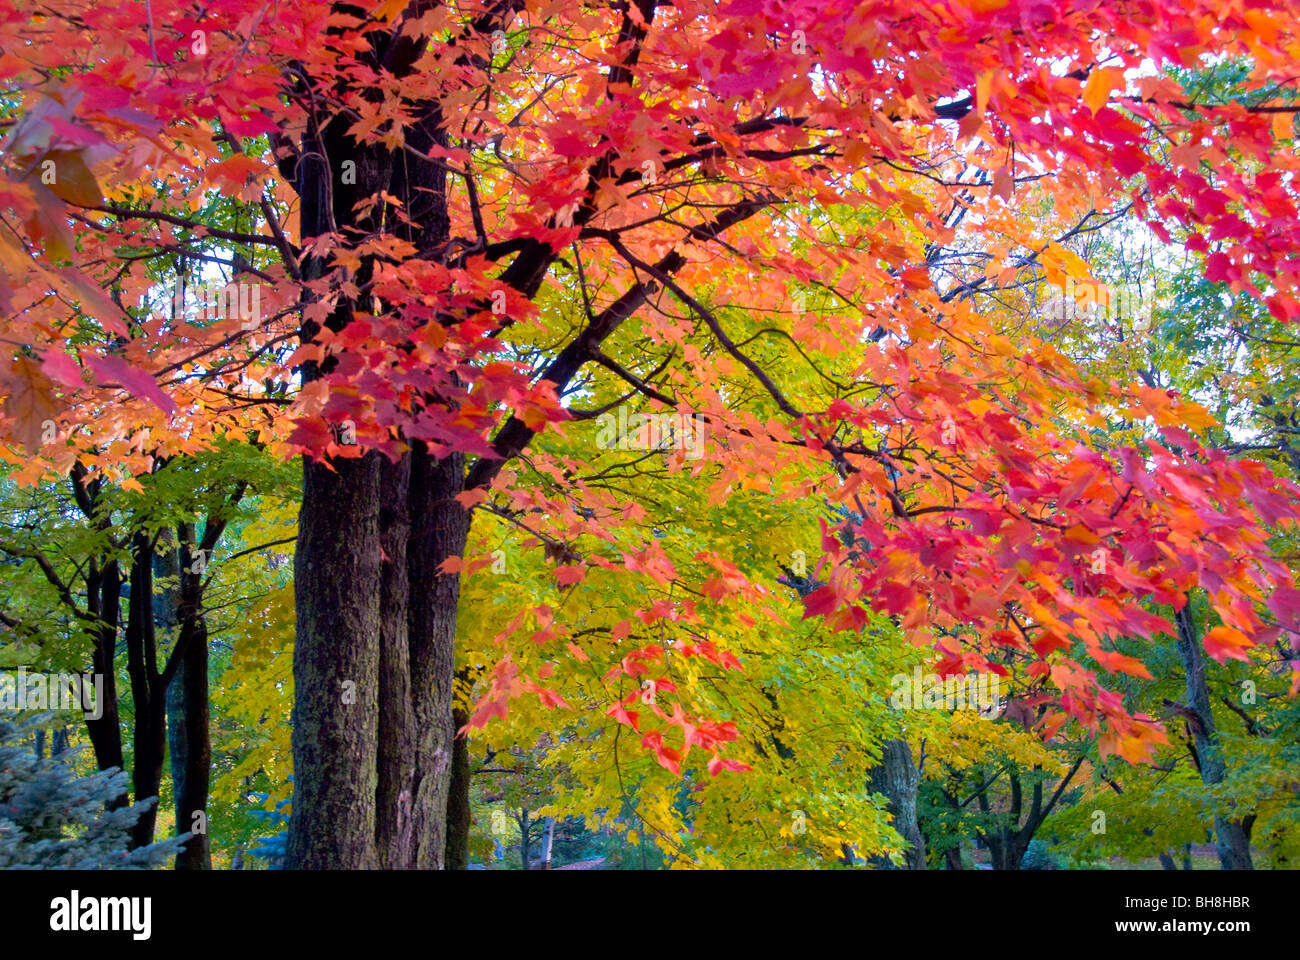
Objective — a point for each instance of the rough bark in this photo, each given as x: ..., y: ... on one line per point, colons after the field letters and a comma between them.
x: 150, y: 701
x: 394, y: 805
x: 897, y: 778
x: 1232, y: 840
x: 189, y: 736
x: 458, y: 806
x: 103, y: 602
x: 372, y: 777
x: 439, y: 529
x: 337, y: 590
x: 104, y: 588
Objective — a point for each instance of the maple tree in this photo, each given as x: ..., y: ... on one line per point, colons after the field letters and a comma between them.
x: 432, y: 238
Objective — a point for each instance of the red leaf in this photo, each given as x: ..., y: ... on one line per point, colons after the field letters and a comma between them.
x: 116, y: 371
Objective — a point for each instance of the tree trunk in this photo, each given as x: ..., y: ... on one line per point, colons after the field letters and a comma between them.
x: 439, y: 529
x: 150, y: 702
x: 372, y: 775
x: 338, y: 586
x: 897, y: 778
x: 191, y: 751
x: 189, y: 736
x: 548, y: 841
x: 458, y: 806
x: 1231, y: 838
x: 524, y: 845
x: 394, y: 806
x: 104, y: 590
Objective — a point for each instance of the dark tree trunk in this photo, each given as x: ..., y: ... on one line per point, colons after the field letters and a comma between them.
x: 525, y: 847
x: 104, y: 589
x: 149, y: 698
x: 372, y: 777
x: 338, y: 585
x: 189, y: 737
x: 897, y: 778
x: 191, y: 751
x: 1231, y: 837
x: 458, y: 806
x: 395, y: 803
x: 1007, y: 845
x: 439, y: 529
x: 104, y: 603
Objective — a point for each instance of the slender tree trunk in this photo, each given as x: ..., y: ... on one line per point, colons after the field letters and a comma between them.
x: 548, y: 841
x: 524, y: 846
x: 189, y: 736
x: 458, y: 806
x: 439, y: 529
x: 897, y: 778
x: 1231, y: 837
x: 191, y: 751
x: 149, y: 700
x: 394, y: 808
x: 104, y: 589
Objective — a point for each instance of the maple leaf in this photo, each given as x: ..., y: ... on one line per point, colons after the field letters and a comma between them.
x: 60, y: 368
x: 571, y: 574
x: 30, y: 402
x: 1223, y: 642
x: 821, y: 602
x: 114, y: 371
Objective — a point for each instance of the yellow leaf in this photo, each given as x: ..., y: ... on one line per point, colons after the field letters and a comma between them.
x: 1101, y: 82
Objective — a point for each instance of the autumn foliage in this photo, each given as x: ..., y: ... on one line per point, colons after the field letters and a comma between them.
x: 810, y: 226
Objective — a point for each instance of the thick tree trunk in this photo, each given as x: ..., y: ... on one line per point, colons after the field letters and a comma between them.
x: 897, y: 778
x: 338, y: 577
x: 372, y: 777
x: 1231, y: 837
x: 338, y: 584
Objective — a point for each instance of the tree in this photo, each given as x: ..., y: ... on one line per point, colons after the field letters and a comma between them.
x: 50, y: 817
x: 481, y: 213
